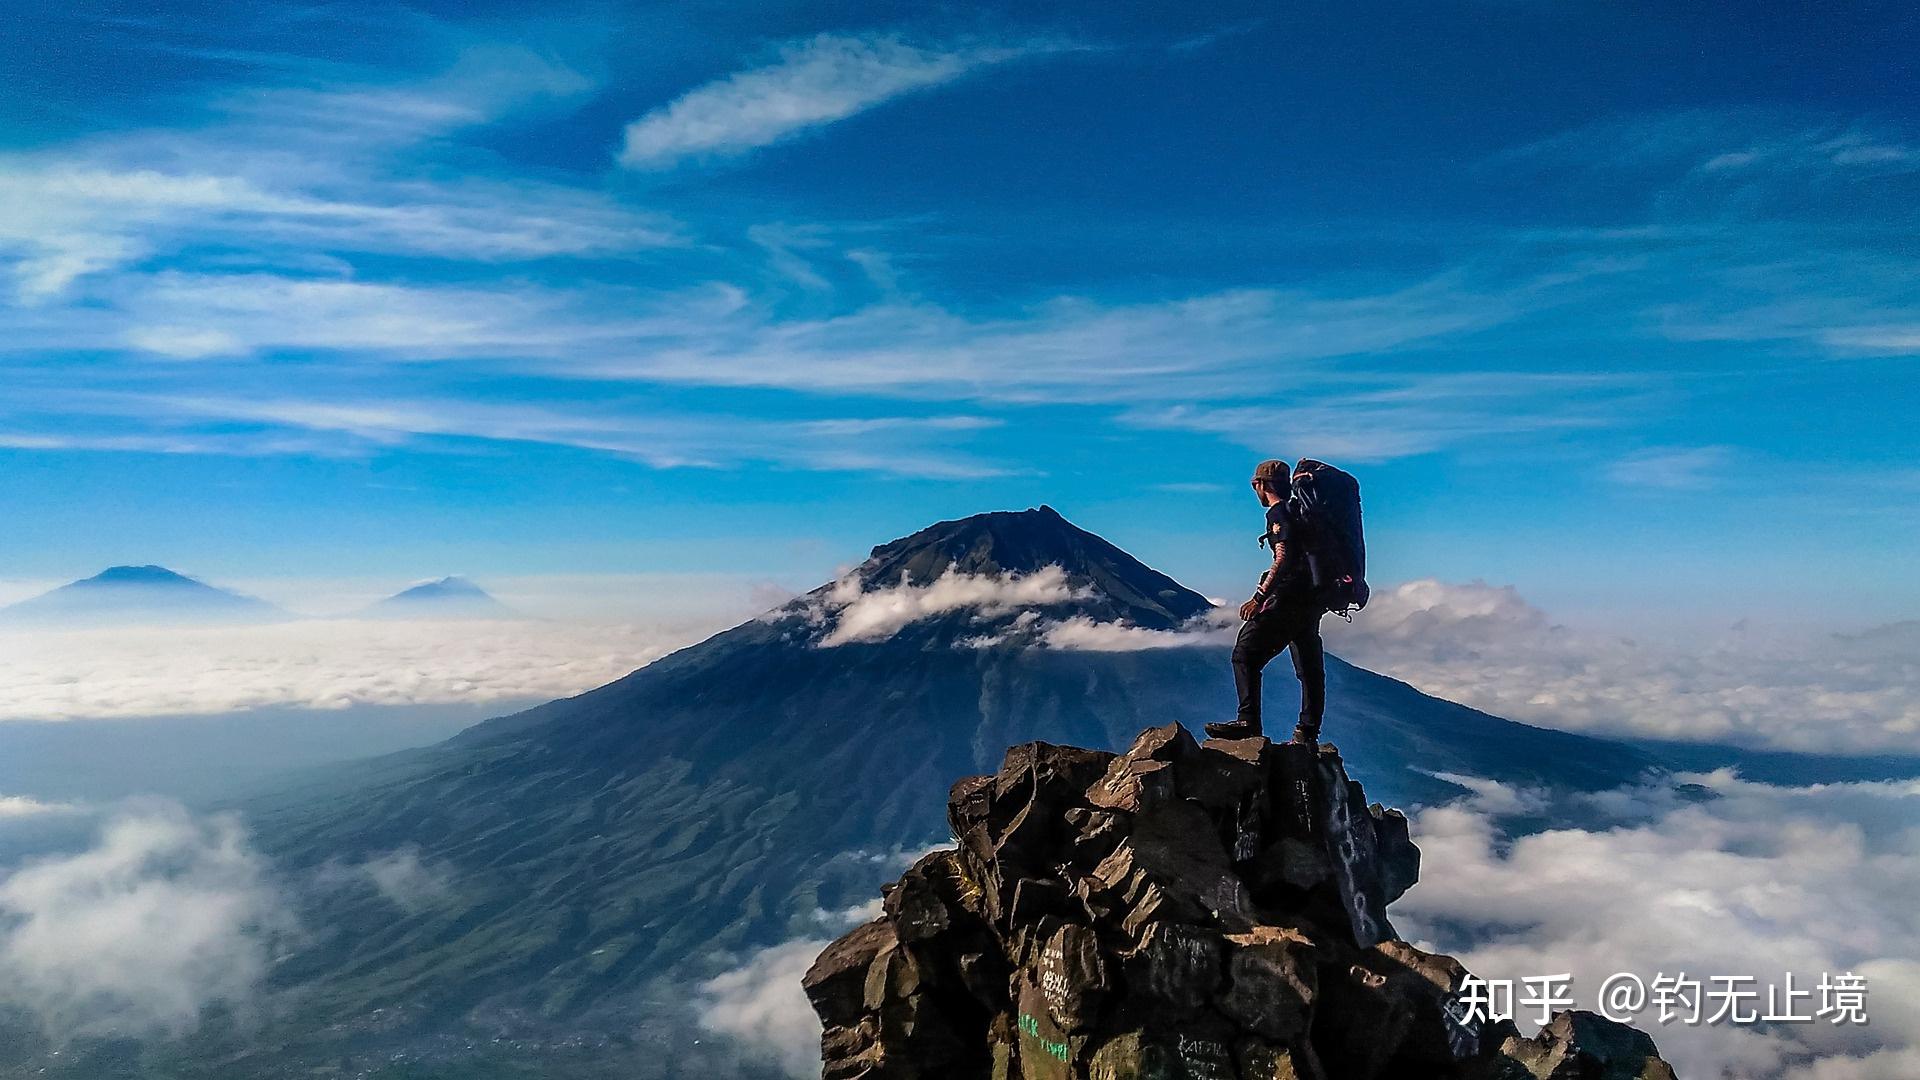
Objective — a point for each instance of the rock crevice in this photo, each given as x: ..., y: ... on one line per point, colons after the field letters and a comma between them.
x: 1184, y: 910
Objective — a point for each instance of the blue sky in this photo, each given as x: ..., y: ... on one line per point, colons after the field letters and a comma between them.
x: 1616, y: 302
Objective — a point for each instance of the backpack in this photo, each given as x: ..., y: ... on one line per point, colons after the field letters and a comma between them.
x: 1328, y: 500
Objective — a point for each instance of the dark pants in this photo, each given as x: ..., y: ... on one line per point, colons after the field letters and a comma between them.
x: 1266, y: 636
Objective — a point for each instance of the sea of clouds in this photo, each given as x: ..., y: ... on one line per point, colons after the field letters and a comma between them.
x: 1803, y: 879
x: 1758, y: 881
x: 1486, y: 646
x: 315, y: 664
x: 1479, y: 644
x: 168, y: 913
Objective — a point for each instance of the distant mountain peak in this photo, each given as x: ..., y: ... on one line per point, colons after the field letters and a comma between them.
x: 452, y: 585
x: 451, y: 596
x: 149, y: 574
x: 146, y: 593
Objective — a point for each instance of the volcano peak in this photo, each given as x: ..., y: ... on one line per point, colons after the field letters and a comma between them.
x: 139, y: 575
x: 139, y: 594
x: 1004, y: 543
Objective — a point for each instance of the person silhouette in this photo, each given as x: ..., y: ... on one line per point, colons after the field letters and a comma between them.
x: 1283, y: 613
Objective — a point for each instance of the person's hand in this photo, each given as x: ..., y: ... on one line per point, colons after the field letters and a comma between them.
x: 1249, y: 609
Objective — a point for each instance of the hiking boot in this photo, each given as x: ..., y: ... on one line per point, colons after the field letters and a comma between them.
x: 1233, y: 729
x: 1306, y: 736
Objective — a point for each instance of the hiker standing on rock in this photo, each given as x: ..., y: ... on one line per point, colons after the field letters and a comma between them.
x: 1319, y: 565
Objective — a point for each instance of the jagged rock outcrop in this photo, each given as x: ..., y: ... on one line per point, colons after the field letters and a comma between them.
x: 1183, y: 911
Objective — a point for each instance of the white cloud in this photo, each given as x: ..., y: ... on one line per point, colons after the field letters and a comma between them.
x: 1724, y: 153
x: 164, y: 916
x: 335, y: 664
x: 1748, y: 216
x: 235, y: 444
x: 181, y: 314
x: 231, y: 313
x: 287, y: 171
x: 1412, y: 415
x: 1191, y: 349
x: 484, y: 83
x: 1880, y: 1065
x: 923, y: 447
x: 1189, y: 487
x: 761, y: 1006
x: 1487, y: 647
x: 1676, y: 468
x: 1083, y: 634
x: 861, y: 614
x: 184, y: 342
x: 813, y: 82
x: 1073, y: 349
x: 1196, y: 347
x: 1761, y: 881
x: 401, y: 876
x: 23, y: 806
x: 1495, y: 797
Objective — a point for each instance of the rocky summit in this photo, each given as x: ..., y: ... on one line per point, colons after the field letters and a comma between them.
x: 1185, y: 910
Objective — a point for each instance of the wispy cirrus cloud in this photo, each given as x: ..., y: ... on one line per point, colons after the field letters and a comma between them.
x: 337, y: 224
x: 1405, y: 415
x: 717, y: 334
x: 1080, y: 350
x: 282, y: 172
x: 1748, y: 225
x: 196, y: 315
x: 1721, y: 154
x: 1069, y: 350
x: 1672, y: 468
x: 808, y: 84
x: 919, y: 446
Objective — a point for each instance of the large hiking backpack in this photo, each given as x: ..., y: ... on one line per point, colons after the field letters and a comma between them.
x: 1328, y: 500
